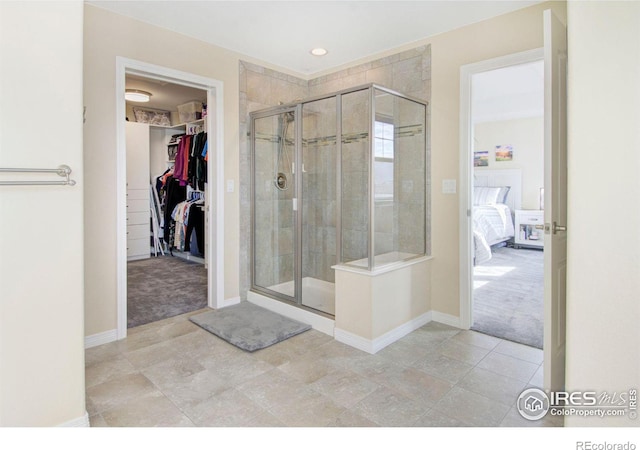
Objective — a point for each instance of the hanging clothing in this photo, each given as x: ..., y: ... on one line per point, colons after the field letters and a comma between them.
x: 188, y: 217
x: 175, y: 188
x: 197, y: 165
x: 195, y: 225
x: 175, y: 193
x: 181, y: 167
x: 205, y: 151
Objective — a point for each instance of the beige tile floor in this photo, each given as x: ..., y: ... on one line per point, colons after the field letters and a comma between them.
x: 174, y: 374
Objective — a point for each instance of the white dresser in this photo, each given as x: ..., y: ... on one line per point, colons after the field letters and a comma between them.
x: 138, y: 206
x: 529, y: 228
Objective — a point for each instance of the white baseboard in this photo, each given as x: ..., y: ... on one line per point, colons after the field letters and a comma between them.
x: 112, y: 335
x: 353, y: 340
x: 78, y: 422
x: 230, y: 301
x: 373, y: 346
x: 446, y: 319
x: 101, y: 338
x: 318, y: 322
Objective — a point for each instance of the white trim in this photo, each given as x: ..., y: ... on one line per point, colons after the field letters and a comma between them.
x: 373, y: 346
x: 381, y: 269
x: 230, y: 302
x: 78, y: 422
x: 447, y: 319
x: 401, y: 331
x: 101, y: 338
x: 318, y: 322
x: 353, y: 340
x: 466, y: 166
x: 214, y: 191
x: 327, y: 326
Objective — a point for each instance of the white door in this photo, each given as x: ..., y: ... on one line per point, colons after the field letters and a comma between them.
x: 555, y: 200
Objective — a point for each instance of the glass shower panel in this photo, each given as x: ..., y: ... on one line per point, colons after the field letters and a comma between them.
x: 319, y: 204
x: 273, y: 194
x: 399, y: 178
x: 355, y: 124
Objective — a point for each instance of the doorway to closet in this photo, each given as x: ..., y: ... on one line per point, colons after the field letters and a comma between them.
x: 169, y: 189
x: 166, y: 146
x: 507, y: 208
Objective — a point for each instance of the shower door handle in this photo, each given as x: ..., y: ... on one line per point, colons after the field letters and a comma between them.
x: 295, y: 204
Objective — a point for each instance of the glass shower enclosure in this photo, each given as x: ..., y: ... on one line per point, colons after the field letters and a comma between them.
x: 336, y: 179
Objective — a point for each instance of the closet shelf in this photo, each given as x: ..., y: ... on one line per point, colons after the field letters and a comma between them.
x: 180, y: 125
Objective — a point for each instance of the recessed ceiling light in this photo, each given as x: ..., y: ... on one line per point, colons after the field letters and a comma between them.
x: 136, y: 95
x: 319, y: 51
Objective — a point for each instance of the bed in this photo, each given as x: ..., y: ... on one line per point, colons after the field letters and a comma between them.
x: 496, y: 195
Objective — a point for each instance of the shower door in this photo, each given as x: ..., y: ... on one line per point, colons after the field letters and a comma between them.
x: 274, y: 201
x: 294, y: 203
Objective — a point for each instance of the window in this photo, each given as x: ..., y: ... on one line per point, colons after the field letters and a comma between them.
x: 383, y: 164
x: 384, y: 140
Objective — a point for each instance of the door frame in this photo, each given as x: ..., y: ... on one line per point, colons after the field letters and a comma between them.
x: 466, y: 171
x: 254, y: 286
x: 214, y: 247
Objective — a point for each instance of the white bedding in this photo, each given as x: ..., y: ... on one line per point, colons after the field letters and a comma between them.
x: 491, y: 224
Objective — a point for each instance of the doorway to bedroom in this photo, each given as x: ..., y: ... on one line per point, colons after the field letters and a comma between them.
x: 506, y: 185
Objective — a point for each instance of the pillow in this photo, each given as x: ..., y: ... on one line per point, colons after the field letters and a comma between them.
x: 483, y: 195
x: 504, y: 192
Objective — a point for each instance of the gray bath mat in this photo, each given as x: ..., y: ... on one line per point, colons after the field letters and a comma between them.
x: 249, y: 326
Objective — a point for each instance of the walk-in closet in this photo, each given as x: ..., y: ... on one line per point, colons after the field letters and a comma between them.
x: 166, y: 148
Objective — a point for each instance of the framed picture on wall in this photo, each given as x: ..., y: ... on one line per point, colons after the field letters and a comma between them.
x: 504, y: 153
x: 481, y: 159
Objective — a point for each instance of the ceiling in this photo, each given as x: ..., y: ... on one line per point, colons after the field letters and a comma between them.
x: 164, y: 96
x: 514, y: 92
x: 283, y: 32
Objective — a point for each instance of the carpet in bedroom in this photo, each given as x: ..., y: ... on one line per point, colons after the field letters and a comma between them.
x: 162, y: 287
x: 508, y: 296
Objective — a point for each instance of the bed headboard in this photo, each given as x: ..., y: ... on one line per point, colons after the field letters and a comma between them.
x: 499, y: 178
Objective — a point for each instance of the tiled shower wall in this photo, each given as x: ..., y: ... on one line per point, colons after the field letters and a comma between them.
x: 407, y: 72
x: 319, y: 189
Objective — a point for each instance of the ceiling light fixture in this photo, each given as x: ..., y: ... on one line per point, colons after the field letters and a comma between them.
x: 319, y: 51
x: 136, y: 95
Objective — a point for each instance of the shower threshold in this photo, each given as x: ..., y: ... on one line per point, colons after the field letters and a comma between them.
x: 318, y: 320
x: 316, y: 294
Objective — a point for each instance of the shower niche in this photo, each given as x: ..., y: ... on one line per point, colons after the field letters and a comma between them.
x: 338, y: 185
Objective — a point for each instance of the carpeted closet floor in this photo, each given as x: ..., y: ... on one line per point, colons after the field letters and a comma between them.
x: 163, y: 287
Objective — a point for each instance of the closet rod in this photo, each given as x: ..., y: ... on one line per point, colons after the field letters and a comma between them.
x: 63, y: 171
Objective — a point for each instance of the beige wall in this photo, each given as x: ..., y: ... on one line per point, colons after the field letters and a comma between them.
x: 527, y: 138
x: 41, y: 248
x: 603, y: 273
x: 106, y: 36
x: 41, y: 322
x: 503, y: 35
x: 369, y: 306
x: 146, y: 43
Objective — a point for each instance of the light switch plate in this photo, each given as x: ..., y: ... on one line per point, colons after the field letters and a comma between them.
x: 230, y: 186
x: 448, y: 186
